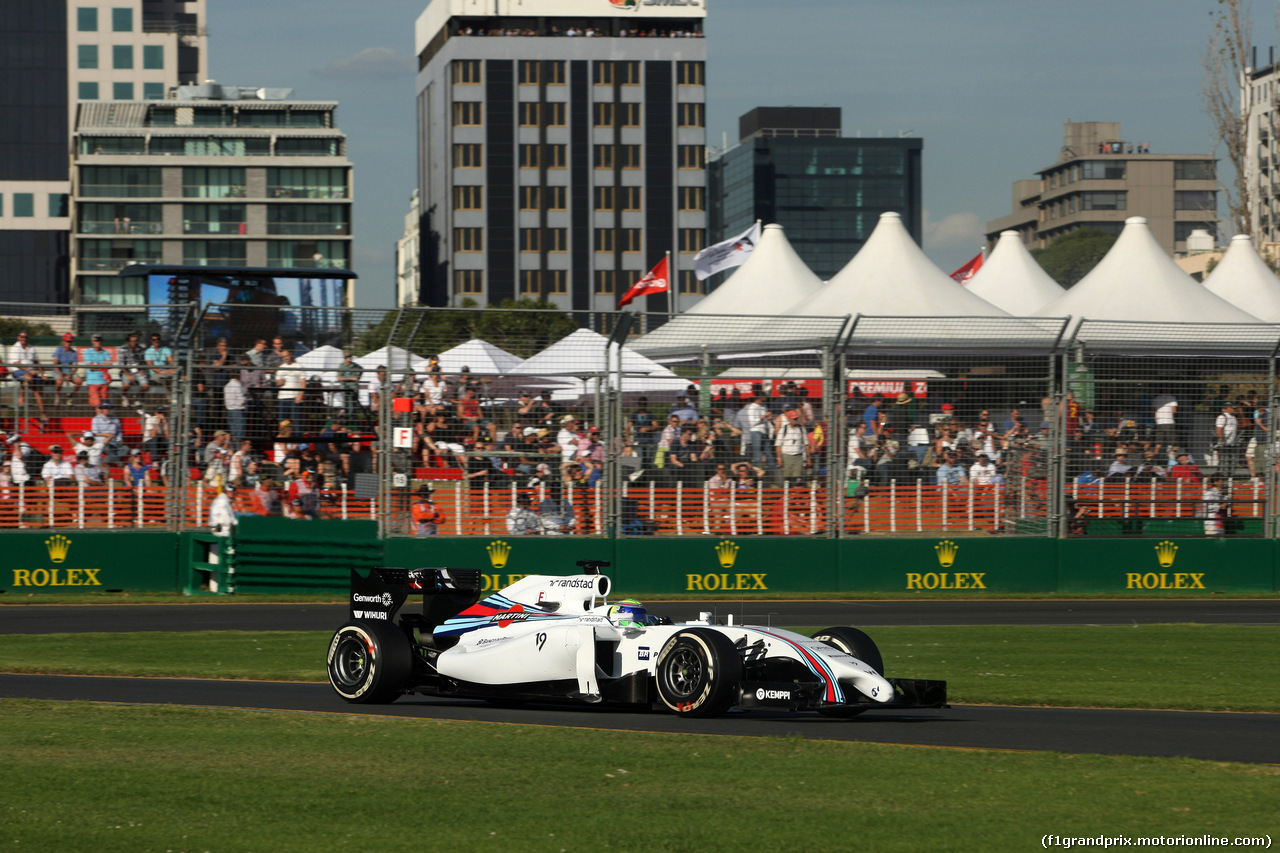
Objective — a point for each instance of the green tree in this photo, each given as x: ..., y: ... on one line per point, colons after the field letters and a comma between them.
x: 524, y: 327
x: 519, y: 326
x: 1070, y: 257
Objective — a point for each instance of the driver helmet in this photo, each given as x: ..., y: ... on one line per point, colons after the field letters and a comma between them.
x: 628, y: 613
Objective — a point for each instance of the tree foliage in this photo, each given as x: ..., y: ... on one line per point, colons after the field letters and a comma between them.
x: 1070, y: 257
x: 1226, y: 63
x: 519, y: 326
x: 10, y: 326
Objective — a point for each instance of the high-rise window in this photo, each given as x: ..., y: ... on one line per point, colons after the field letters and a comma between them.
x: 628, y: 73
x: 468, y: 281
x: 122, y: 91
x: 555, y: 113
x: 630, y: 156
x: 87, y: 91
x: 603, y: 112
x: 121, y: 20
x: 537, y: 282
x: 693, y: 198
x: 466, y: 71
x: 691, y: 73
x: 689, y: 282
x: 87, y: 19
x: 604, y: 156
x: 153, y: 56
x: 606, y: 198
x: 602, y: 73
x: 692, y: 115
x: 630, y: 198
x: 466, y: 114
x: 530, y: 156
x: 208, y: 218
x: 544, y: 239
x: 321, y: 182
x: 153, y: 91
x: 87, y: 55
x: 468, y: 155
x: 468, y: 239
x: 557, y: 198
x: 121, y: 56
x: 212, y: 182
x: 692, y: 157
x: 24, y: 204
x: 468, y: 198
x: 693, y: 239
x: 605, y: 240
x: 630, y: 239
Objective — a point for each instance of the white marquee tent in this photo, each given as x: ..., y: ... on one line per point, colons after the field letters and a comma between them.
x: 482, y: 357
x: 1138, y: 281
x: 1244, y: 279
x: 1011, y: 279
x: 890, y: 276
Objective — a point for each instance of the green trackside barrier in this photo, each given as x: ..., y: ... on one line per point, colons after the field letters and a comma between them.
x: 88, y: 561
x: 962, y: 564
x: 1196, y: 566
x: 288, y: 555
x: 724, y: 567
x: 282, y: 555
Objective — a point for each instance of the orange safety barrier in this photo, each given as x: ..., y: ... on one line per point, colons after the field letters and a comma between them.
x: 110, y: 506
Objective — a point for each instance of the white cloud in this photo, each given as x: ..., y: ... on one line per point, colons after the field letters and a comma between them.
x: 371, y: 62
x: 954, y: 230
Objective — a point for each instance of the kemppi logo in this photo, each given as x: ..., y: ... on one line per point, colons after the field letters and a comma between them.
x: 763, y: 694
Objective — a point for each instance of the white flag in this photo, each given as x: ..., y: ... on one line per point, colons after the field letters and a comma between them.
x: 726, y: 254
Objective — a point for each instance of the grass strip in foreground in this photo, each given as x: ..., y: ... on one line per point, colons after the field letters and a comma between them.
x: 109, y: 778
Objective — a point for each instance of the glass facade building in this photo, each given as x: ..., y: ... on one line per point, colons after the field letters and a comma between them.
x: 827, y: 191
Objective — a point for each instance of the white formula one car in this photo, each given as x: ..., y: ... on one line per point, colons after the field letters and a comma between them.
x: 552, y: 638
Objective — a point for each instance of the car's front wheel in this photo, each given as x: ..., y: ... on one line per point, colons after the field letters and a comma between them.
x: 369, y: 663
x: 856, y: 643
x: 697, y: 673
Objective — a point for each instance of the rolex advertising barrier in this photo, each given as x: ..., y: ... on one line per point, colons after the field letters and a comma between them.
x: 275, y: 556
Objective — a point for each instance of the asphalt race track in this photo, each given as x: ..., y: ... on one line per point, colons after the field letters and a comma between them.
x: 1252, y: 738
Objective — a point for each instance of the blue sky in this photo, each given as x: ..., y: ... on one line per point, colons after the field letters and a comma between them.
x: 987, y: 84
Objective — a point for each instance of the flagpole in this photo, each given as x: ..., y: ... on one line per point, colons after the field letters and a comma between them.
x: 673, y: 304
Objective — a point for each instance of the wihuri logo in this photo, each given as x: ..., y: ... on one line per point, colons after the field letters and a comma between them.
x: 1166, y: 551
x: 58, y: 547
x: 499, y: 551
x: 946, y: 553
x: 728, y: 554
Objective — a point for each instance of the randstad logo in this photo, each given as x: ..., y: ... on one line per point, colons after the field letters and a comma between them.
x: 728, y: 553
x: 58, y: 547
x: 499, y: 551
x: 947, y: 551
x: 1166, y: 551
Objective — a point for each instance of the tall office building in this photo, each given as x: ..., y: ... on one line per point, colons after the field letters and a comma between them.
x: 561, y: 148
x: 792, y: 166
x: 54, y: 54
x: 1101, y: 179
x: 1260, y: 99
x: 215, y: 176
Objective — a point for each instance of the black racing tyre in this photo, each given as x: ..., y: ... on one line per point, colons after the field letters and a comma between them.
x: 851, y: 641
x: 698, y: 672
x: 369, y: 663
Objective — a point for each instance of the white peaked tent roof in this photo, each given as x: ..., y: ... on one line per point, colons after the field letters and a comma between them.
x: 1011, y: 279
x: 583, y: 353
x: 401, y: 359
x: 890, y: 276
x: 321, y: 360
x: 1136, y: 280
x: 482, y: 357
x: 1244, y: 279
x: 772, y: 279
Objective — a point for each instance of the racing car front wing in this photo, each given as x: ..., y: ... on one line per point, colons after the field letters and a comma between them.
x: 799, y: 695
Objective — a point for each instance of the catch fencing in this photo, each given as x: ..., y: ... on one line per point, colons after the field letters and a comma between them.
x: 549, y: 423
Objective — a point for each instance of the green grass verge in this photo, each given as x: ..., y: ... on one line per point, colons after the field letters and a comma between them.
x: 128, y: 779
x: 1191, y: 667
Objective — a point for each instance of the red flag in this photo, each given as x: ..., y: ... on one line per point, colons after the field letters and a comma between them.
x: 655, y: 281
x: 968, y: 271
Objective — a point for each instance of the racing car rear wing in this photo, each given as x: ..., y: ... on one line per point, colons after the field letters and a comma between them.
x: 381, y: 593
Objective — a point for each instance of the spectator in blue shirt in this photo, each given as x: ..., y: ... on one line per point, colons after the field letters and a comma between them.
x: 66, y: 358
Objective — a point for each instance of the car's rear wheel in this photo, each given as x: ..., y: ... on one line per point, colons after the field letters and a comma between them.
x: 853, y: 642
x: 697, y: 673
x: 369, y: 663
